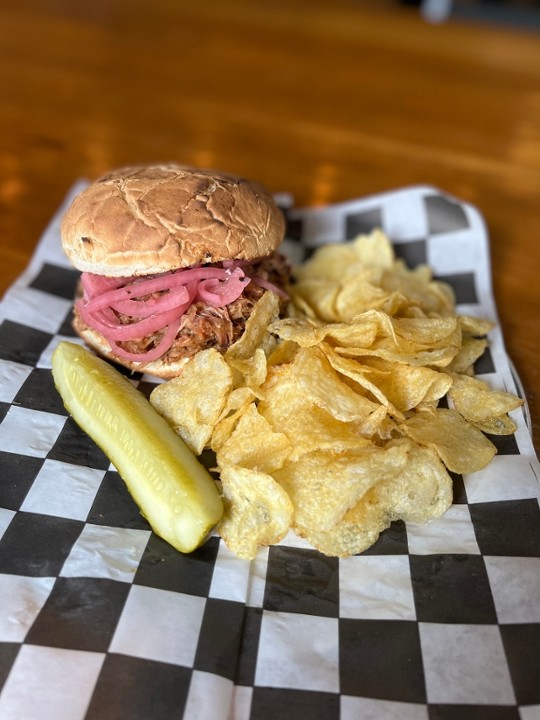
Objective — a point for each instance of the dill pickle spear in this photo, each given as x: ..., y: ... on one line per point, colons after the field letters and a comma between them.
x: 173, y: 490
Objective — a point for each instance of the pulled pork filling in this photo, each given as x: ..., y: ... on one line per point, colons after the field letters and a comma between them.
x: 176, y: 314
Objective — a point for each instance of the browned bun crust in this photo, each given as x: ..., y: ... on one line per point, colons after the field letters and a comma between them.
x: 151, y: 219
x: 158, y: 368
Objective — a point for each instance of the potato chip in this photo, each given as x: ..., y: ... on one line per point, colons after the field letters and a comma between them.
x: 374, y: 250
x: 249, y: 372
x: 329, y: 263
x: 307, y: 334
x: 193, y: 401
x: 397, y: 304
x: 256, y: 333
x: 358, y: 531
x: 236, y: 404
x: 309, y: 378
x: 283, y: 353
x: 470, y: 351
x: 362, y: 376
x: 336, y: 261
x: 387, y: 429
x: 428, y: 332
x: 311, y: 428
x: 374, y: 327
x: 305, y: 417
x: 357, y: 295
x: 437, y: 389
x: 501, y: 425
x: 423, y: 490
x: 406, y: 352
x: 377, y: 425
x: 300, y: 308
x: 359, y: 528
x: 339, y: 281
x: 477, y: 402
x: 323, y: 486
x: 476, y: 327
x: 318, y: 296
x: 417, y: 285
x: 381, y: 320
x: 461, y: 446
x: 254, y: 444
x: 419, y: 492
x: 257, y: 511
x: 406, y: 386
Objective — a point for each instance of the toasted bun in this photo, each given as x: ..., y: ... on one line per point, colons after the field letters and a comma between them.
x: 145, y: 220
x: 158, y: 368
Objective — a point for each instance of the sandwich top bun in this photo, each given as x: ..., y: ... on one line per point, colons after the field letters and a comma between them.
x: 152, y: 219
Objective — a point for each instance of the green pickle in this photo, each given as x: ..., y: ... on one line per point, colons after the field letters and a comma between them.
x: 173, y: 490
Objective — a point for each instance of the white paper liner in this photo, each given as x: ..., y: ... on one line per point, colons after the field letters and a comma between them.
x: 298, y: 651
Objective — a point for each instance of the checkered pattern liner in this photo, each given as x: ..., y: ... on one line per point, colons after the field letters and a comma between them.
x: 100, y: 619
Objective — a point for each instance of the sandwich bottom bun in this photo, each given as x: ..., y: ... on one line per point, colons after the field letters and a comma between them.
x: 158, y: 368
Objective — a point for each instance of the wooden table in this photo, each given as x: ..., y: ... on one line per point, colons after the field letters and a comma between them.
x: 329, y: 100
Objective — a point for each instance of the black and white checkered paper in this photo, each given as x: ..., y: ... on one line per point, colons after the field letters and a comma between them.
x: 101, y: 620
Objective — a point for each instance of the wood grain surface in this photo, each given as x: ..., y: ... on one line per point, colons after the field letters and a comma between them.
x: 327, y: 99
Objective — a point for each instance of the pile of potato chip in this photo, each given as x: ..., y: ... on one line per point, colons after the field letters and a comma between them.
x: 328, y: 421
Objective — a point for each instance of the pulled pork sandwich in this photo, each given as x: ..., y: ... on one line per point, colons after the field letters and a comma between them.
x: 173, y: 260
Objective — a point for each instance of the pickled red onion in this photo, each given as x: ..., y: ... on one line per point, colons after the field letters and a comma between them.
x: 156, y: 352
x: 104, y: 297
x: 222, y: 292
x: 267, y: 285
x: 117, y: 300
x: 97, y: 284
x: 129, y: 331
x: 139, y: 286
